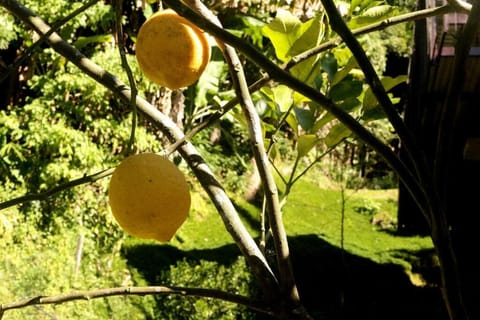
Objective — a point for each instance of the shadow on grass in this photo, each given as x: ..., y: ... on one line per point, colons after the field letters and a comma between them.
x: 333, y: 284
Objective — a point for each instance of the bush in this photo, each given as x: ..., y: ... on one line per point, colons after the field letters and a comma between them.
x: 234, y: 278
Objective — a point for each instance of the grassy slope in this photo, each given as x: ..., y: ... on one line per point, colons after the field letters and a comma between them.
x: 311, y: 210
x: 372, y: 276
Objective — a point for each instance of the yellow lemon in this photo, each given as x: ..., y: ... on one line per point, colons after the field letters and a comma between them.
x: 171, y: 51
x: 149, y: 196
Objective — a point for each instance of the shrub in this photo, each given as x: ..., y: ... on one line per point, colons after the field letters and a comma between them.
x: 234, y: 278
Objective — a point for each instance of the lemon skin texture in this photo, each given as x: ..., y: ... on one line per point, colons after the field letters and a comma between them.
x: 171, y: 51
x: 149, y: 196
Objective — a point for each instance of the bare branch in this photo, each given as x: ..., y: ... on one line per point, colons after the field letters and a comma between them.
x: 286, y: 276
x: 126, y: 67
x: 137, y: 291
x: 278, y: 74
x: 44, y: 195
x: 460, y: 4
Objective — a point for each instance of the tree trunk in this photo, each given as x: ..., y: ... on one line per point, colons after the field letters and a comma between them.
x: 411, y: 221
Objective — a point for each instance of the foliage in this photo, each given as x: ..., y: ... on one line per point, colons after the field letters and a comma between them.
x: 234, y: 278
x: 35, y: 263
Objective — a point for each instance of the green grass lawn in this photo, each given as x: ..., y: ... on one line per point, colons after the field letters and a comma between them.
x: 365, y: 275
x: 312, y: 210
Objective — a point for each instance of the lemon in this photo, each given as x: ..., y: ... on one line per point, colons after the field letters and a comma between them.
x: 171, y: 51
x: 149, y: 196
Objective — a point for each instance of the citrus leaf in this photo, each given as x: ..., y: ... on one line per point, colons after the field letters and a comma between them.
x: 283, y: 31
x: 342, y: 73
x: 337, y: 134
x: 283, y: 97
x: 305, y: 143
x: 372, y: 15
x: 209, y: 81
x: 369, y: 99
x: 329, y: 64
x: 304, y: 118
x: 348, y: 88
x: 84, y: 41
x: 292, y: 122
x: 310, y: 34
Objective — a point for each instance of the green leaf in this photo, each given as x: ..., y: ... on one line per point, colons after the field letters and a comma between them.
x: 283, y: 31
x: 148, y: 10
x: 349, y: 105
x: 299, y: 98
x: 348, y: 88
x: 310, y: 34
x: 372, y: 15
x: 377, y: 112
x: 342, y: 73
x: 208, y: 84
x: 290, y: 37
x: 305, y: 143
x: 336, y: 134
x: 292, y: 122
x: 253, y: 29
x: 369, y: 99
x: 283, y: 97
x: 304, y: 118
x: 329, y: 64
x: 274, y: 102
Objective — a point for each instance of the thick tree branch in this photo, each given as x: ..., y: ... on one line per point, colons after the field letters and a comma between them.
x: 36, y: 45
x: 137, y: 291
x: 340, y: 27
x: 286, y: 275
x: 225, y: 207
x: 278, y: 74
x: 461, y: 5
x: 410, y: 16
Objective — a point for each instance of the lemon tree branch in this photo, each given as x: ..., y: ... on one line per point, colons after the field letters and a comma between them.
x: 126, y: 67
x: 279, y: 235
x: 332, y: 43
x: 212, y: 186
x: 137, y: 291
x: 282, y: 76
x: 44, y: 195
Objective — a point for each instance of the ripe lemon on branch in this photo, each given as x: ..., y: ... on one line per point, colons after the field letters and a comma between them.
x: 149, y: 196
x: 171, y: 51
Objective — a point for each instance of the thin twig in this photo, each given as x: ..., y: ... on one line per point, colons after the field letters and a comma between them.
x: 59, y: 188
x: 125, y: 65
x: 137, y: 291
